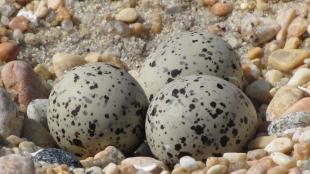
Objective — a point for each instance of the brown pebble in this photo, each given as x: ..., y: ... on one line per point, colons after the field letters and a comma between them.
x: 209, y: 2
x: 19, y: 22
x: 8, y: 51
x: 157, y: 24
x: 221, y: 9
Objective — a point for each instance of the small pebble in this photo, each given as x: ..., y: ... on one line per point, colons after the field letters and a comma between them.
x: 282, y: 144
x: 127, y: 15
x: 188, y: 163
x: 256, y: 154
x: 209, y: 2
x: 273, y: 76
x: 63, y: 62
x: 301, y: 151
x: 221, y: 9
x: 256, y: 52
x: 218, y: 169
x: 8, y: 51
x: 278, y: 170
x: 19, y: 22
x: 260, y: 142
x: 300, y: 77
x: 283, y: 160
x: 55, y: 4
x: 298, y: 27
x: 292, y: 43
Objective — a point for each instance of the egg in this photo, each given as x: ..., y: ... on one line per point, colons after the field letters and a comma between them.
x: 189, y: 53
x: 199, y: 116
x: 95, y: 106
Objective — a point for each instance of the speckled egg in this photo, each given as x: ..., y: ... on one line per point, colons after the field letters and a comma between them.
x: 199, y: 116
x: 94, y: 106
x: 189, y: 53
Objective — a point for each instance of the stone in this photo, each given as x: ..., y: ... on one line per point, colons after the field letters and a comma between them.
x: 209, y: 2
x: 10, y: 122
x: 292, y: 43
x: 304, y: 136
x: 20, y: 80
x: 278, y: 170
x: 284, y: 18
x: 5, y: 151
x: 94, y: 170
x: 106, y: 58
x: 42, y: 71
x: 27, y: 146
x: 259, y: 91
x: 110, y: 155
x: 129, y: 15
x: 303, y: 105
x: 289, y: 121
x: 288, y: 59
x: 240, y: 171
x: 35, y: 132
x: 298, y: 27
x: 235, y: 157
x: 53, y: 155
x: 42, y: 9
x: 55, y: 4
x: 16, y: 164
x: 273, y: 76
x: 256, y: 52
x: 63, y: 62
x: 8, y: 51
x: 300, y: 77
x: 221, y: 9
x: 260, y: 142
x: 111, y: 169
x: 157, y: 23
x: 129, y: 169
x: 218, y: 169
x: 14, y: 140
x: 19, y: 22
x: 285, y: 97
x: 283, y: 160
x: 281, y: 144
x: 146, y: 164
x: 256, y: 154
x: 188, y: 163
x: 36, y: 111
x: 301, y: 151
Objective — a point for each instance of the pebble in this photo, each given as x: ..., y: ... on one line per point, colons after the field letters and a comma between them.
x: 278, y: 170
x: 302, y: 105
x: 209, y: 2
x: 8, y: 51
x: 55, y: 4
x: 218, y: 169
x: 256, y: 52
x: 109, y: 155
x: 188, y: 163
x: 300, y: 77
x: 284, y: 98
x: 289, y: 121
x: 273, y: 76
x: 42, y: 10
x: 234, y: 157
x: 283, y: 160
x: 211, y: 161
x: 94, y: 170
x: 19, y: 78
x: 260, y: 142
x: 107, y: 57
x: 36, y: 110
x: 19, y: 22
x: 111, y: 169
x: 259, y: 91
x: 14, y: 140
x: 287, y: 60
x: 27, y: 146
x: 240, y: 171
x: 282, y: 144
x: 256, y: 154
x: 304, y: 136
x: 35, y: 132
x: 221, y: 9
x: 41, y: 70
x: 10, y: 123
x: 63, y: 62
x: 129, y: 15
x: 301, y: 151
x: 7, y: 10
x: 53, y: 155
x: 146, y: 164
x: 16, y: 164
x: 157, y: 24
x: 292, y: 43
x: 298, y: 27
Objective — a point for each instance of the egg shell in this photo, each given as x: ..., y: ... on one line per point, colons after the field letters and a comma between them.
x: 199, y: 116
x: 95, y: 106
x: 189, y: 53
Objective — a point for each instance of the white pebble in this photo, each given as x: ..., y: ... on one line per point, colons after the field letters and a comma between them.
x: 304, y: 136
x: 283, y: 160
x: 67, y: 25
x: 282, y: 144
x: 18, y: 35
x: 218, y: 169
x: 188, y: 163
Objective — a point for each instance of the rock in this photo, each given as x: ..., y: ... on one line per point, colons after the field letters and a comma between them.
x: 256, y: 154
x: 42, y: 71
x: 284, y: 18
x: 94, y: 170
x: 145, y: 164
x: 5, y: 151
x: 53, y: 155
x: 302, y: 105
x: 289, y: 121
x: 298, y: 27
x: 292, y: 43
x: 222, y: 9
x: 8, y: 51
x: 278, y: 170
x: 241, y: 171
x: 304, y: 136
x: 300, y: 77
x: 110, y: 155
x: 218, y: 169
x: 273, y: 76
x: 259, y: 90
x: 301, y: 151
x: 19, y: 78
x: 287, y: 60
x: 55, y: 4
x: 35, y: 132
x: 188, y: 163
x: 282, y: 144
x: 209, y: 2
x: 157, y: 23
x: 19, y: 22
x: 111, y: 169
x: 27, y: 146
x: 63, y: 62
x: 16, y: 164
x: 129, y: 169
x: 283, y: 160
x: 10, y: 122
x: 260, y: 142
x: 285, y: 97
x: 106, y: 58
x: 256, y: 52
x: 14, y: 140
x: 127, y: 15
x: 36, y: 110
